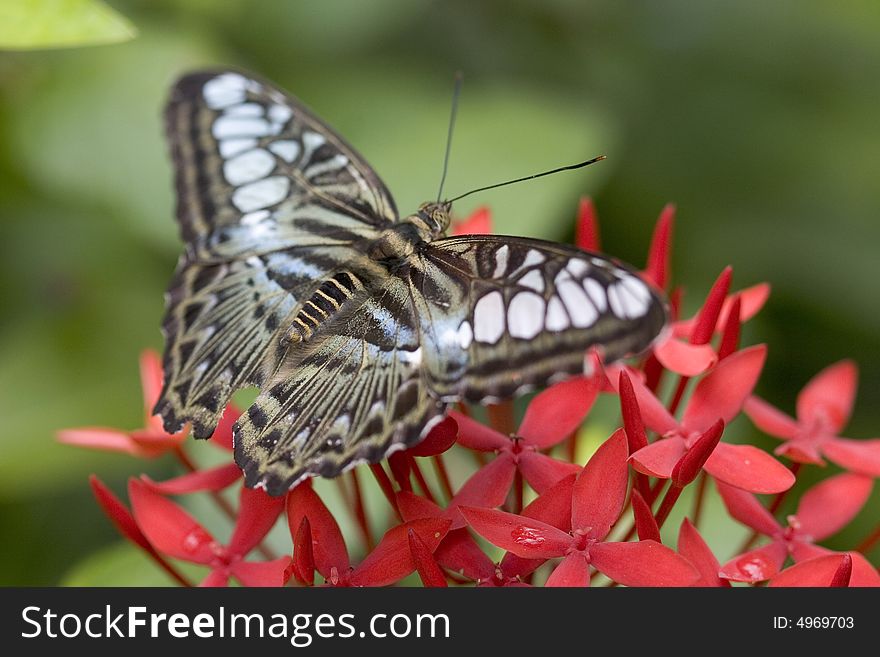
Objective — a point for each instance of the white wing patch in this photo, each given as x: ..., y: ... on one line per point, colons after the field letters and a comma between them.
x: 582, y: 312
x: 525, y: 315
x: 261, y: 194
x: 557, y: 318
x: 489, y: 318
x: 248, y: 167
x: 533, y: 280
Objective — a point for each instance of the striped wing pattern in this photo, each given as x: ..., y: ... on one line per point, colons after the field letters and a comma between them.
x: 504, y: 315
x: 299, y: 277
x: 355, y: 395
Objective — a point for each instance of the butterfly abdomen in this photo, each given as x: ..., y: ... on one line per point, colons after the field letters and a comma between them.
x: 325, y: 302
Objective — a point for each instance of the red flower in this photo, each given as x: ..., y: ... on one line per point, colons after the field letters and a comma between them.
x: 718, y: 396
x: 823, y: 410
x: 597, y: 499
x: 319, y: 545
x: 693, y: 548
x: 175, y: 533
x: 551, y: 417
x: 847, y: 569
x: 478, y: 223
x: 151, y: 440
x: 823, y: 510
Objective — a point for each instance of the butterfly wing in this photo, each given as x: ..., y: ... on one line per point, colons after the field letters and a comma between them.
x: 352, y: 393
x: 502, y: 315
x: 270, y: 201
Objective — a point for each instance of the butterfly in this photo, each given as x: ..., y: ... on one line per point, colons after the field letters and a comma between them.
x: 359, y: 327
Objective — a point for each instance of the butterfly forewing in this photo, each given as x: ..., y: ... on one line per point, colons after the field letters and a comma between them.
x: 502, y: 315
x: 270, y: 200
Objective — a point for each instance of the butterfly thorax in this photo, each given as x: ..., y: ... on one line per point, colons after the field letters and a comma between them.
x: 399, y: 244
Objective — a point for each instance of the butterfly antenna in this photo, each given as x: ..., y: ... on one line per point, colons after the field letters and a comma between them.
x: 579, y: 165
x: 456, y: 91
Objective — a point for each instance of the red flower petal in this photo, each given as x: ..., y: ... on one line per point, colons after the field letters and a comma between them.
x: 542, y: 471
x: 261, y: 573
x: 155, y: 441
x: 749, y: 468
x: 802, y: 549
x: 475, y: 435
x: 829, y: 396
x: 843, y: 573
x: 831, y: 504
x: 151, y: 380
x: 478, y: 223
x: 119, y: 515
x: 659, y: 458
x: 557, y: 412
x: 586, y: 231
x: 218, y: 577
x: 487, y: 487
x: 862, y: 456
x: 685, y: 358
x: 328, y: 545
x: 513, y: 566
x: 693, y: 548
x: 110, y: 440
x: 553, y: 506
x: 756, y: 565
x: 707, y: 318
x: 724, y: 390
x: 632, y: 416
x: 440, y: 438
x: 801, y: 451
x: 863, y: 573
x: 600, y: 489
x: 303, y: 565
x: 752, y: 299
x: 413, y: 507
x: 212, y: 479
x: 459, y: 553
x: 168, y: 527
x: 222, y: 436
x: 646, y: 563
x: 400, y: 466
x: 392, y: 560
x: 693, y: 460
x: 746, y: 508
x: 731, y: 331
x: 821, y: 571
x: 573, y: 571
x: 770, y: 419
x: 429, y: 571
x: 657, y: 267
x: 654, y: 413
x: 257, y: 514
x: 646, y: 524
x: 525, y: 537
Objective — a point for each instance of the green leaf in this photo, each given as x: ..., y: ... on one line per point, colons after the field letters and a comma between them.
x: 32, y: 24
x: 122, y: 564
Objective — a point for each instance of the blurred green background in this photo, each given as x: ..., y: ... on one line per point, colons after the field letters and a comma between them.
x: 759, y: 120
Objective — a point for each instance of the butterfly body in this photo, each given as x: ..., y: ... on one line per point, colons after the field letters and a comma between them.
x: 359, y: 327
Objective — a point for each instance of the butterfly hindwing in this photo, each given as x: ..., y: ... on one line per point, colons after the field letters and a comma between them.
x: 502, y: 315
x: 352, y: 394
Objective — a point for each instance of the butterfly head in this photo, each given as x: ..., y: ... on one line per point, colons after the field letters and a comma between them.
x: 433, y: 217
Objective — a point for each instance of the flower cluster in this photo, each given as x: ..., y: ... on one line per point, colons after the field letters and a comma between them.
x: 545, y: 503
